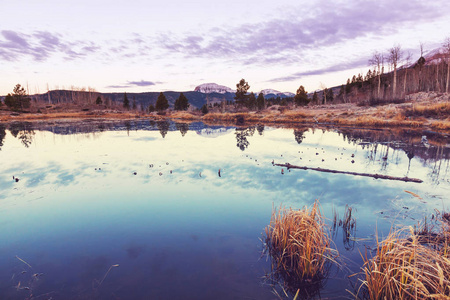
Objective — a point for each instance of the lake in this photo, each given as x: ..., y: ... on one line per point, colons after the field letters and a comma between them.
x: 162, y: 210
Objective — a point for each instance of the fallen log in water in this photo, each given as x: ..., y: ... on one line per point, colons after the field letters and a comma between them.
x: 376, y: 176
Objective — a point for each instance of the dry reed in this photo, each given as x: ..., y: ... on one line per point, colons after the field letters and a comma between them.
x: 406, y: 268
x: 298, y: 244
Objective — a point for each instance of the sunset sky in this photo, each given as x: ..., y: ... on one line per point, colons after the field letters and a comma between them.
x: 140, y: 46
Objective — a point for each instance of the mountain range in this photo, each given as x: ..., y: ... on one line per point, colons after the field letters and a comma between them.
x: 205, y: 93
x: 221, y: 89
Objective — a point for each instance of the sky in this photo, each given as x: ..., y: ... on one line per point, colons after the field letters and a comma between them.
x: 175, y: 45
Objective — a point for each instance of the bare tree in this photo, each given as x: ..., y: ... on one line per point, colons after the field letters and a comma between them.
x: 395, y: 56
x: 407, y: 62
x: 420, y: 64
x: 48, y: 93
x: 377, y: 61
x: 447, y: 58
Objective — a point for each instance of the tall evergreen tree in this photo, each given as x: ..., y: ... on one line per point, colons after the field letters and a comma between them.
x: 126, y: 102
x: 204, y: 109
x: 161, y: 102
x: 260, y: 102
x: 330, y: 95
x: 251, y: 101
x: 18, y: 100
x: 301, y: 97
x: 241, y: 92
x: 182, y: 103
x: 315, y: 98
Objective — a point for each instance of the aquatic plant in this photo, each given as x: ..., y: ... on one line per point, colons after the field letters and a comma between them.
x: 406, y: 268
x: 348, y: 226
x: 298, y: 243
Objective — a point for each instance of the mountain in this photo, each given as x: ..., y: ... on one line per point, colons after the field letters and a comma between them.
x: 213, y: 88
x: 435, y: 56
x: 432, y: 57
x: 271, y: 92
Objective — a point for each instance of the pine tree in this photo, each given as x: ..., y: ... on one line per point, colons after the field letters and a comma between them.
x: 241, y: 92
x: 98, y: 101
x: 182, y: 103
x: 260, y: 101
x: 161, y: 103
x: 301, y: 97
x: 251, y: 101
x: 315, y: 98
x: 330, y: 95
x: 126, y: 102
x: 204, y: 109
x: 18, y: 100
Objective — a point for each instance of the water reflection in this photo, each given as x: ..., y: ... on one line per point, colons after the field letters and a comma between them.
x: 163, y: 127
x: 299, y: 135
x: 182, y: 127
x: 86, y: 210
x: 2, y: 135
x: 260, y: 129
x: 23, y: 131
x: 241, y: 137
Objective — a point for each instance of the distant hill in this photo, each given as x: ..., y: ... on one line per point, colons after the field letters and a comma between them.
x: 196, y: 99
x: 206, y: 93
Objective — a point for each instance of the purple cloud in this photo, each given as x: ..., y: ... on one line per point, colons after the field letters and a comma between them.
x: 335, y: 68
x: 141, y: 83
x: 278, y: 40
x: 40, y: 45
x: 118, y: 86
x: 130, y: 84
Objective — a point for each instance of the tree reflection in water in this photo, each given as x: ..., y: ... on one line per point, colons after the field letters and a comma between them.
x: 299, y: 135
x: 163, y: 127
x: 2, y: 135
x: 182, y: 127
x: 241, y: 137
x: 260, y: 129
x: 23, y: 131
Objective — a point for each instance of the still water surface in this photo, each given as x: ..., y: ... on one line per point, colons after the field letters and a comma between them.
x: 181, y: 208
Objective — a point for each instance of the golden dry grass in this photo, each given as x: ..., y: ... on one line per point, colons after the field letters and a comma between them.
x: 436, y: 110
x: 406, y: 268
x: 441, y: 125
x: 434, y: 115
x: 298, y: 244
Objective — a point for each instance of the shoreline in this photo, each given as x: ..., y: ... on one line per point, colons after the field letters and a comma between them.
x: 417, y: 115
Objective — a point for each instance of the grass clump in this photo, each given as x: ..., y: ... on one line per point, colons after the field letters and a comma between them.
x: 406, y: 268
x: 298, y: 244
x: 435, y: 110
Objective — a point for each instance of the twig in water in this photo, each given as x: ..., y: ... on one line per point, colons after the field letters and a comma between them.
x: 113, y: 266
x: 24, y: 261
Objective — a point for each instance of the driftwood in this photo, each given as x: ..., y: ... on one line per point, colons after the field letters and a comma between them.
x: 376, y: 176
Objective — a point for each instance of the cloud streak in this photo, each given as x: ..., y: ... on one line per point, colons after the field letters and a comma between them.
x: 41, y: 45
x: 130, y: 84
x: 283, y: 40
x: 334, y: 68
x: 141, y: 83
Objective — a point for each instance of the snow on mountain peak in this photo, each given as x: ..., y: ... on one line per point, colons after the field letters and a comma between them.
x: 275, y: 92
x: 270, y: 91
x: 213, y: 88
x: 435, y: 56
